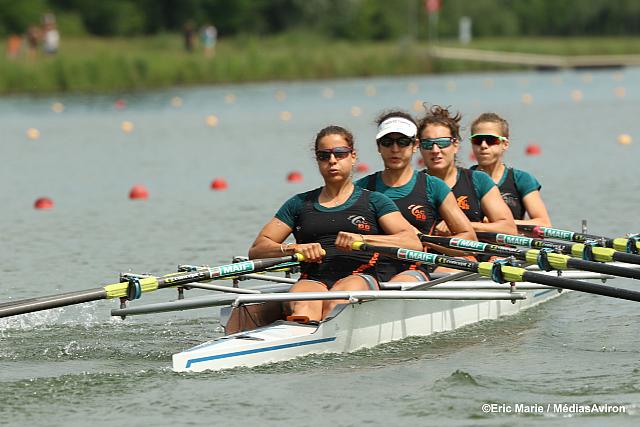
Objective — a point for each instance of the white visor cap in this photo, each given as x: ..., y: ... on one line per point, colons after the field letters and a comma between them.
x: 397, y: 125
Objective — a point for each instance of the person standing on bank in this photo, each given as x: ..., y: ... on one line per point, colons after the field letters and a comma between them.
x: 476, y: 194
x: 331, y: 218
x: 519, y: 189
x: 423, y: 200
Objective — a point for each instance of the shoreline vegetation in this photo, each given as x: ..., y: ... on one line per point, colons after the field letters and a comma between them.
x: 112, y: 65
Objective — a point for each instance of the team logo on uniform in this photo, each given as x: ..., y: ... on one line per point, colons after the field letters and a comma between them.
x: 360, y: 222
x: 418, y: 212
x: 510, y: 199
x: 463, y: 203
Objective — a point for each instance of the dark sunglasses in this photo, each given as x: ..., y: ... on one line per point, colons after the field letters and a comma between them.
x: 489, y: 138
x: 444, y: 142
x: 387, y: 141
x: 339, y: 153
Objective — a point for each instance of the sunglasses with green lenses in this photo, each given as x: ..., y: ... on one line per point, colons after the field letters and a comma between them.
x: 403, y: 141
x: 443, y: 142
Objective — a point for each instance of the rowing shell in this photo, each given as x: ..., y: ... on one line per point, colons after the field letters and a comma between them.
x: 350, y: 327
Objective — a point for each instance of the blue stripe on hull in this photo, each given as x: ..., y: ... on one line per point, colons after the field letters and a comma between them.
x: 258, y: 350
x: 536, y: 295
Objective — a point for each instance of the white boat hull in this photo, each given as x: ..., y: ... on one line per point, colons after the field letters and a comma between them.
x: 352, y: 327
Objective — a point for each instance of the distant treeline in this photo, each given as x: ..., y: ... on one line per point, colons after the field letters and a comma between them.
x: 338, y: 19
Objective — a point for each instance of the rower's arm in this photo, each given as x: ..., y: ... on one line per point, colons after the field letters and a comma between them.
x: 498, y: 214
x: 269, y: 240
x: 457, y: 223
x: 269, y: 244
x: 536, y: 210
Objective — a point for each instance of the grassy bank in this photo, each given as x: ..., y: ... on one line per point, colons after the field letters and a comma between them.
x: 113, y: 65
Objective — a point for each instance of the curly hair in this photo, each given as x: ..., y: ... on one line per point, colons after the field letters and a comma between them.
x: 437, y: 115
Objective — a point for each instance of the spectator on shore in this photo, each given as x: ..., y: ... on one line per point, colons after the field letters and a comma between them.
x: 209, y: 35
x: 51, y: 38
x: 189, y: 33
x: 14, y: 45
x: 33, y: 37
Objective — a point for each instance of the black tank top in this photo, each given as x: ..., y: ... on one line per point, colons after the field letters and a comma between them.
x: 466, y: 196
x: 314, y: 226
x: 419, y: 212
x: 511, y: 196
x: 415, y: 206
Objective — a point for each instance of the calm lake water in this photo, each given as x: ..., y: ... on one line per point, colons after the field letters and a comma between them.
x: 72, y: 365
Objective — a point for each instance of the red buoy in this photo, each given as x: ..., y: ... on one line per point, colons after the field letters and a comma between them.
x: 420, y: 162
x: 43, y: 203
x: 472, y: 157
x: 294, y: 176
x: 362, y: 167
x: 533, y: 150
x: 219, y: 184
x: 138, y: 191
x: 120, y: 104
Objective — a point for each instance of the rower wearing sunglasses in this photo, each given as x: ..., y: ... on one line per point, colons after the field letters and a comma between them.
x: 423, y: 200
x: 476, y: 194
x: 329, y: 219
x: 519, y: 189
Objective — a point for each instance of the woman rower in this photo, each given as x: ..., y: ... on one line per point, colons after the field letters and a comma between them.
x: 331, y: 218
x: 423, y: 199
x: 475, y: 192
x: 519, y: 189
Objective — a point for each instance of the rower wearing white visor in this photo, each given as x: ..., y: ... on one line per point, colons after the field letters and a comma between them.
x: 424, y: 200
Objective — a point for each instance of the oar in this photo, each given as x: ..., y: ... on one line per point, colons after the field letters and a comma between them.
x: 545, y: 260
x: 136, y: 286
x: 623, y: 244
x: 499, y: 272
x: 580, y: 250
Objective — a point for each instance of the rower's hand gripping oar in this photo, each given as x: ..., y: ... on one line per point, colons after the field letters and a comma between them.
x: 579, y: 250
x: 499, y: 272
x: 544, y: 258
x: 629, y: 244
x: 136, y: 286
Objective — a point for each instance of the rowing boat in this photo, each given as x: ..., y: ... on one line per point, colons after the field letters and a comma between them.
x: 255, y: 333
x: 362, y: 323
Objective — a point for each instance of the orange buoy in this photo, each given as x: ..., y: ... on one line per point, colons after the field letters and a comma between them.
x: 138, y: 191
x: 362, y: 167
x: 43, y: 203
x: 624, y: 139
x: 219, y: 184
x: 33, y: 133
x: 533, y: 150
x: 294, y: 176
